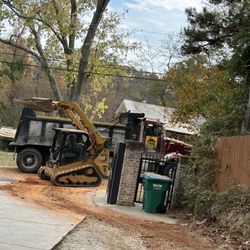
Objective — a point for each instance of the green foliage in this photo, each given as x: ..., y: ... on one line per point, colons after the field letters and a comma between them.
x: 209, y: 92
x: 200, y: 194
x: 14, y: 68
x: 203, y: 90
x: 240, y: 61
x: 18, y: 81
x: 7, y: 158
x: 235, y: 198
x: 221, y: 27
x: 207, y: 203
x: 199, y: 200
x: 215, y: 26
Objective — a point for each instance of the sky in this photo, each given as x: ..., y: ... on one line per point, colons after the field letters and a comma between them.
x: 154, y: 20
x: 155, y: 15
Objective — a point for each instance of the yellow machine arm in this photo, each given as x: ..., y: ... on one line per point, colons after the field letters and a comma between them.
x: 81, y: 121
x: 73, y: 111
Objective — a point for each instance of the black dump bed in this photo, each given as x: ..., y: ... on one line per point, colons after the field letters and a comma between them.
x: 38, y: 130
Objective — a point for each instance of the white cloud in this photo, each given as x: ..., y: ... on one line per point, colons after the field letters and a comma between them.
x: 153, y: 21
x: 148, y: 5
x: 158, y: 15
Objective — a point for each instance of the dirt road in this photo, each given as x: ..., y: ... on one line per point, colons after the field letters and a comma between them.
x: 73, y: 204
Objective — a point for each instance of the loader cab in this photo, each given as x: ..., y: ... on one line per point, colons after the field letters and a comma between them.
x: 69, y: 146
x: 153, y: 133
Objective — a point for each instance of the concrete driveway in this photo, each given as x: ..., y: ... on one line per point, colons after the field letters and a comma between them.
x: 27, y: 226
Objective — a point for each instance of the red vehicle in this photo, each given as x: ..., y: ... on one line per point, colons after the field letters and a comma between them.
x: 156, y: 141
x: 153, y: 135
x: 175, y: 146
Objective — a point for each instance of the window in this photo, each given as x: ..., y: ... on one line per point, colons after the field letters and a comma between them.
x: 152, y: 130
x: 49, y: 130
x: 35, y: 128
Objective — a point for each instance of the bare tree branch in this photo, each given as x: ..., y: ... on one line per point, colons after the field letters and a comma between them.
x: 73, y: 17
x: 54, y: 87
x: 19, y: 35
x: 18, y: 46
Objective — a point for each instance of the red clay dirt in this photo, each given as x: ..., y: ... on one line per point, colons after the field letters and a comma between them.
x: 74, y: 205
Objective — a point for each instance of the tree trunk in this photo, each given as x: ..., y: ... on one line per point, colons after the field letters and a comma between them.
x: 82, y: 77
x: 246, y: 123
x: 42, y: 59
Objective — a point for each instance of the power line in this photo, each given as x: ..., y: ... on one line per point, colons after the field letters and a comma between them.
x: 97, y: 66
x: 157, y: 33
x: 87, y: 72
x: 150, y: 45
x: 150, y: 32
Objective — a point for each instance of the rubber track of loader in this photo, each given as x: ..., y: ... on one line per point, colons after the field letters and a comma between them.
x: 41, y: 174
x: 69, y: 171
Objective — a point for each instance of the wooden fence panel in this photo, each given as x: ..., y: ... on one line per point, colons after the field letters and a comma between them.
x: 233, y: 154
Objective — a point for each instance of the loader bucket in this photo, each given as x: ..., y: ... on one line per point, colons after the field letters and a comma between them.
x: 37, y: 104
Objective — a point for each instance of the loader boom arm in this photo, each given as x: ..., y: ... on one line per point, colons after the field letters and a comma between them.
x: 80, y: 120
x: 73, y: 111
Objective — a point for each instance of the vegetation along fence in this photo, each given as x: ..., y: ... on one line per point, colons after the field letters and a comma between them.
x: 233, y: 154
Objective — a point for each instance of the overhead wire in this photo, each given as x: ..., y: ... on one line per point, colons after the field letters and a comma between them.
x: 97, y: 66
x: 136, y: 29
x: 87, y: 72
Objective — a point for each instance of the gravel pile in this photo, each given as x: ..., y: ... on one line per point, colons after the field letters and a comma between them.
x: 93, y: 234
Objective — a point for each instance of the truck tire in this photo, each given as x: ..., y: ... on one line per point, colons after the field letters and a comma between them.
x: 29, y: 160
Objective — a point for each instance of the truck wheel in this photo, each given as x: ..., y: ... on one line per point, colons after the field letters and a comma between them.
x: 29, y: 160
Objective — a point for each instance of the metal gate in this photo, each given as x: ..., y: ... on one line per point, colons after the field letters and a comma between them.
x: 156, y: 164
x: 115, y: 174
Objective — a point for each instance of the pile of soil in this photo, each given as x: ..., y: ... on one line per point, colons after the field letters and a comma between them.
x: 73, y: 203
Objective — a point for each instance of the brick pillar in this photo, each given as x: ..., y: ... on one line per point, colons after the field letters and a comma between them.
x: 181, y: 181
x: 130, y: 169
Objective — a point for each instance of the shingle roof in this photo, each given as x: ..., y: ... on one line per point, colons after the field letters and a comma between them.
x: 156, y: 112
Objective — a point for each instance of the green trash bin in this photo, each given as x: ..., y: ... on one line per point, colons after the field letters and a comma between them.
x: 155, y: 188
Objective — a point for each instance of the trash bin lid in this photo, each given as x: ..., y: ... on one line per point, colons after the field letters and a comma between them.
x: 153, y: 176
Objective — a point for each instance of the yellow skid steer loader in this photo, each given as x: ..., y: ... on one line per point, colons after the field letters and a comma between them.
x: 79, y: 157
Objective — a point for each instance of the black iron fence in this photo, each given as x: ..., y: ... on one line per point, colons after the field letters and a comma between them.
x: 159, y: 165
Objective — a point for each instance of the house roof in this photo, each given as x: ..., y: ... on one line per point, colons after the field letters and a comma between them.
x: 156, y: 112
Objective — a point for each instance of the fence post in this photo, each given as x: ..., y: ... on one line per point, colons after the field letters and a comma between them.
x: 131, y: 165
x: 181, y: 181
